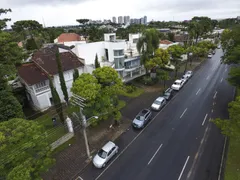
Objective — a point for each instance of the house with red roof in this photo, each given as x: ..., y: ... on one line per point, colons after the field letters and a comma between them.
x: 70, y: 39
x: 34, y: 74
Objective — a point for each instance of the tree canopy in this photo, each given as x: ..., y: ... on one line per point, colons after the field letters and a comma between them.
x: 100, y: 91
x: 24, y: 152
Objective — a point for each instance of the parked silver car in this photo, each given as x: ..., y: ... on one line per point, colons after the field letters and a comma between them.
x: 188, y: 74
x: 158, y: 103
x: 105, y: 154
x: 142, y: 118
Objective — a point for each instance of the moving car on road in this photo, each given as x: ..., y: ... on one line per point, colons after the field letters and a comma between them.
x: 177, y: 85
x: 168, y: 94
x: 159, y: 103
x: 142, y: 118
x: 105, y: 154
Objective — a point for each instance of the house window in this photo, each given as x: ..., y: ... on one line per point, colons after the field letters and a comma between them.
x: 135, y: 41
x: 41, y: 84
x: 119, y: 63
x: 118, y: 52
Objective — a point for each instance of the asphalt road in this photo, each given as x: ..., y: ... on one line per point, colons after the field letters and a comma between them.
x: 180, y: 142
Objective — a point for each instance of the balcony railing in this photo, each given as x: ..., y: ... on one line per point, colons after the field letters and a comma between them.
x: 41, y: 89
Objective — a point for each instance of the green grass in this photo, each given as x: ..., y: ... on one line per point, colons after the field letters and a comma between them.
x: 232, y: 171
x: 53, y: 133
x: 121, y: 104
x: 64, y: 145
x: 133, y: 94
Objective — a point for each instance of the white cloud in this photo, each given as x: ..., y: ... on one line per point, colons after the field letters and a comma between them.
x: 65, y: 12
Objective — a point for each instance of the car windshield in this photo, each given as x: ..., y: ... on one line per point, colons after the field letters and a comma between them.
x: 140, y: 118
x: 166, y: 94
x: 157, y: 102
x: 102, y: 154
x: 176, y: 83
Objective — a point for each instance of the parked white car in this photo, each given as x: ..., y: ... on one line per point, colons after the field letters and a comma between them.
x: 105, y: 154
x: 188, y: 74
x: 158, y: 103
x: 209, y: 55
x: 177, y: 85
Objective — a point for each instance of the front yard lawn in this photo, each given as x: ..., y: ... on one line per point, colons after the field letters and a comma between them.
x: 131, y: 91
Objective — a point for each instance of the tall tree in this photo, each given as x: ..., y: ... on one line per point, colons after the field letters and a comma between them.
x: 97, y: 64
x: 176, y: 51
x: 9, y: 106
x: 75, y: 74
x: 56, y: 101
x: 27, y: 27
x: 61, y: 77
x: 82, y: 21
x: 22, y: 157
x: 147, y: 44
x: 3, y: 21
x: 163, y: 76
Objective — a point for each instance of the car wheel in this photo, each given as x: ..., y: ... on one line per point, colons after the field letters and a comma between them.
x: 104, y: 165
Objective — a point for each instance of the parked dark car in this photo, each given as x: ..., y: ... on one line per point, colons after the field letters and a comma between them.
x: 168, y: 94
x: 142, y: 118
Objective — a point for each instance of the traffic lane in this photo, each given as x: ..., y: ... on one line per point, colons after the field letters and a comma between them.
x: 96, y: 172
x: 149, y: 136
x: 209, y: 165
x: 184, y: 142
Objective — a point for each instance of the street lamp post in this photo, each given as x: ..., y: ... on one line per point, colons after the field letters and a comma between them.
x: 77, y: 100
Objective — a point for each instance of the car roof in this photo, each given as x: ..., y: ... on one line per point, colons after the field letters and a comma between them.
x: 160, y: 98
x: 108, y: 146
x: 178, y: 81
x: 143, y: 112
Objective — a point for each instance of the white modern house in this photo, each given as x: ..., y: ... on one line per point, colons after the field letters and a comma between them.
x: 114, y: 53
x: 34, y: 74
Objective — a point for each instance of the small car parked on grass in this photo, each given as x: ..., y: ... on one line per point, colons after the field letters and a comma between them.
x: 105, y: 154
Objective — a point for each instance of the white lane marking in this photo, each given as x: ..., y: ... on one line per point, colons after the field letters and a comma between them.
x: 198, y: 91
x: 106, y: 168
x: 183, y: 113
x: 221, y: 79
x: 223, y: 153
x: 204, y: 119
x: 207, y: 77
x: 215, y: 95
x: 183, y: 168
x: 155, y: 154
x: 79, y: 178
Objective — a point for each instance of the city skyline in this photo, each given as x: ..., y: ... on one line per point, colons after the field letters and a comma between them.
x: 58, y: 12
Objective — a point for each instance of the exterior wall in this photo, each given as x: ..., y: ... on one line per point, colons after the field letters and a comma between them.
x: 88, y: 51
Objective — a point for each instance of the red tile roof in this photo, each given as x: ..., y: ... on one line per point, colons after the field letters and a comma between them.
x: 46, y: 58
x: 165, y: 42
x: 31, y: 74
x: 67, y: 37
x: 44, y: 62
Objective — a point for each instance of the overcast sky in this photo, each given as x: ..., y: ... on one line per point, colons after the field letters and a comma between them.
x: 65, y: 12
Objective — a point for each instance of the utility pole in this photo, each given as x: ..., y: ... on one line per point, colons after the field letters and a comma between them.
x: 78, y: 100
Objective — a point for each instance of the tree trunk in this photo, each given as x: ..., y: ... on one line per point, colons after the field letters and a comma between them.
x: 186, y: 63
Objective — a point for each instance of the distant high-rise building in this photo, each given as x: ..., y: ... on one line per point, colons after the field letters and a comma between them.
x: 125, y: 19
x: 120, y: 20
x: 145, y: 19
x: 114, y: 20
x: 128, y: 19
x: 142, y: 21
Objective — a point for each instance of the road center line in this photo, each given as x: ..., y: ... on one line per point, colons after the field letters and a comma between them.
x: 207, y: 77
x: 204, y: 119
x: 183, y: 168
x: 155, y: 154
x: 183, y: 113
x: 223, y: 153
x: 221, y: 79
x: 198, y: 91
x: 215, y: 95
